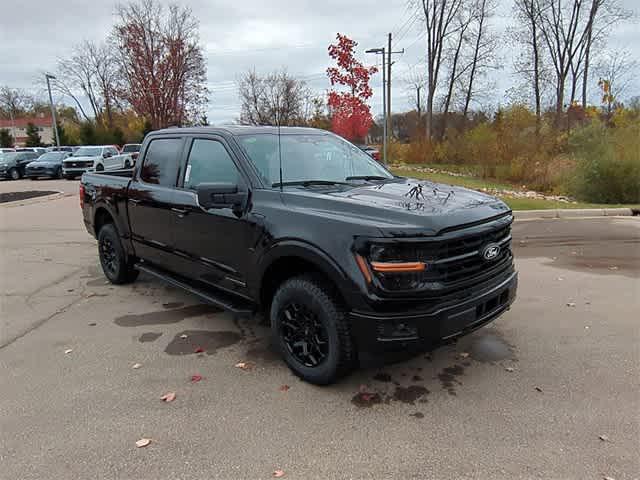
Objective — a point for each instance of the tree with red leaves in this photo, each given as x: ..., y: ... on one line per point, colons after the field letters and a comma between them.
x: 350, y: 115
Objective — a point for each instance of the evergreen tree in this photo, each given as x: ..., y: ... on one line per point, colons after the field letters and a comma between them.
x: 62, y: 134
x: 6, y: 140
x: 33, y: 137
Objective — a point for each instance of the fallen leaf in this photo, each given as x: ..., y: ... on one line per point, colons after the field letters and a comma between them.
x: 143, y: 442
x: 168, y: 397
x: 510, y: 369
x: 244, y: 365
x: 613, y: 267
x: 604, y: 438
x: 284, y: 388
x: 464, y: 355
x: 92, y: 324
x: 196, y: 378
x: 136, y: 366
x: 587, y: 327
x: 278, y: 473
x: 68, y: 351
x: 608, y: 478
x: 539, y: 389
x: 199, y: 350
x: 571, y: 304
x: 560, y: 278
x: 184, y: 335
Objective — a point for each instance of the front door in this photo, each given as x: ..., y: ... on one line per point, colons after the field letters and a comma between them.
x: 150, y: 202
x: 213, y: 244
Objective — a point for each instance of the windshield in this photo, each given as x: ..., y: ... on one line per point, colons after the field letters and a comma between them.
x: 88, y: 152
x: 51, y: 156
x: 130, y: 148
x: 309, y: 157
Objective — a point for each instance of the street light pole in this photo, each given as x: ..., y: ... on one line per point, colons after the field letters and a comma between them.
x: 384, y: 102
x: 53, y: 109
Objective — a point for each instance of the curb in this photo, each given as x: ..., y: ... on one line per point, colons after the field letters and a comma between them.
x: 30, y: 201
x: 573, y: 213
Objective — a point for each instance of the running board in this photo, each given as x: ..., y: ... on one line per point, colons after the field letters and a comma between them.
x: 219, y: 299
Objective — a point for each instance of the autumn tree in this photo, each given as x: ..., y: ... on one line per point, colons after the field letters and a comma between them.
x: 273, y: 99
x: 350, y: 114
x: 161, y: 62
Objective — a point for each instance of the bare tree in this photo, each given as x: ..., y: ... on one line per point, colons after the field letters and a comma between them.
x: 483, y: 46
x: 160, y: 61
x: 14, y: 102
x: 276, y: 98
x: 615, y: 76
x: 416, y: 80
x: 439, y: 17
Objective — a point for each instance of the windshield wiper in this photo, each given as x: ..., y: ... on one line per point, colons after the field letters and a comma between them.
x: 306, y: 183
x: 368, y: 177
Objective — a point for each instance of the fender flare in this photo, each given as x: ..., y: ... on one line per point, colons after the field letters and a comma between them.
x: 115, y: 213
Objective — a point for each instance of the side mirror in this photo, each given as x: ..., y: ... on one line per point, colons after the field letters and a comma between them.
x: 221, y: 195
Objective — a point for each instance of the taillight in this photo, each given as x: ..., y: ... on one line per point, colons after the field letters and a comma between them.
x: 81, y: 192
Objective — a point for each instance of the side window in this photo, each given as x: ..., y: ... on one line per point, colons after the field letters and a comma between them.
x: 209, y: 162
x: 161, y: 161
x: 113, y: 151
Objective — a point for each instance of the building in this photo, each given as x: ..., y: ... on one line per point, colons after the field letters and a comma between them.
x: 18, y: 129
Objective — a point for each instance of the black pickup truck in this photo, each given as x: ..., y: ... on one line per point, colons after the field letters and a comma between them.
x: 346, y: 260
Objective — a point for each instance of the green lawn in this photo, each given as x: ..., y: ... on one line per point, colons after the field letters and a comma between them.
x: 515, y: 203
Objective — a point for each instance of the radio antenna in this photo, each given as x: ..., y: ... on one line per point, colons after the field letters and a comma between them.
x: 279, y: 149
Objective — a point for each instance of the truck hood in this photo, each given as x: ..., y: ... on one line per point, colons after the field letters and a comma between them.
x: 81, y: 159
x: 406, y: 207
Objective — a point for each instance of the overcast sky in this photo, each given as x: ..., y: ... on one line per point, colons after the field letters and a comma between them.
x: 242, y: 34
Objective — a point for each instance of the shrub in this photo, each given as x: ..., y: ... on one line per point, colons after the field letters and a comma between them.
x: 607, y: 163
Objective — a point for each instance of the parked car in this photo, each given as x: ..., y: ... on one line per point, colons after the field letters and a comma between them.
x: 47, y: 165
x: 371, y: 151
x: 38, y: 150
x: 13, y: 164
x: 115, y: 162
x: 87, y: 158
x: 346, y: 260
x: 59, y: 149
x: 133, y: 149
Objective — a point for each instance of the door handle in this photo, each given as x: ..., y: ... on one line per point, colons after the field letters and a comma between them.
x: 180, y: 211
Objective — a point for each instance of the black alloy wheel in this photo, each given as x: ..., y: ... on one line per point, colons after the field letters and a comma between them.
x: 304, y: 335
x: 116, y: 265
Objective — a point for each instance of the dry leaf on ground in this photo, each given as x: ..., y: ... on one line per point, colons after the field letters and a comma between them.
x: 278, y: 473
x: 244, y: 365
x: 143, y: 442
x: 464, y: 355
x: 196, y: 378
x: 510, y: 369
x: 571, y: 304
x: 604, y: 438
x: 168, y: 397
x: 68, y: 350
x: 199, y: 350
x: 284, y: 388
x: 136, y: 366
x: 539, y: 389
x: 184, y: 335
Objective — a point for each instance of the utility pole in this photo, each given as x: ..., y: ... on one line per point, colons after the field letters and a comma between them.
x: 384, y: 102
x: 419, y: 108
x: 389, y: 63
x: 53, y: 108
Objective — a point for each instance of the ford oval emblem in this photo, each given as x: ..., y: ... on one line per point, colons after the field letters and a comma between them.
x: 490, y: 251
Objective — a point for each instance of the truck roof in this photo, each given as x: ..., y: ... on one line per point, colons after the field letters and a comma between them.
x: 245, y: 130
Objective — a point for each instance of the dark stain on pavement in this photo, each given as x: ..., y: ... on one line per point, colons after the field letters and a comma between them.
x: 417, y: 415
x: 170, y: 305
x: 409, y: 394
x: 149, y: 337
x: 165, y: 316
x: 448, y: 378
x: 382, y: 377
x: 207, y: 341
x: 262, y: 352
x: 416, y: 378
x: 487, y: 346
x: 366, y: 399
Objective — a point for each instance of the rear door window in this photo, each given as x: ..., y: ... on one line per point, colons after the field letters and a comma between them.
x: 161, y: 162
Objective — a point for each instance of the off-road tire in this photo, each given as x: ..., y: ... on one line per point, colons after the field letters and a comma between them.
x: 320, y: 298
x: 117, y: 267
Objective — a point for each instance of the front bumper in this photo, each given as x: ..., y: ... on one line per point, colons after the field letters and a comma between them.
x: 400, y: 331
x: 41, y: 172
x: 77, y: 171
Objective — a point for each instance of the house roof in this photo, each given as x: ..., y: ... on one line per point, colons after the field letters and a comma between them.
x: 23, y: 122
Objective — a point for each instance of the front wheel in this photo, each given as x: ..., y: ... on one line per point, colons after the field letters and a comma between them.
x: 99, y: 168
x: 310, y: 329
x: 116, y: 266
x: 14, y: 173
x: 127, y: 164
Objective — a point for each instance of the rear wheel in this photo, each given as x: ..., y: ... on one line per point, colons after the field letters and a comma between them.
x: 58, y: 173
x: 116, y: 266
x: 310, y: 329
x: 14, y: 173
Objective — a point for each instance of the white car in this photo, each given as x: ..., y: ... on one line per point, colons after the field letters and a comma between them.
x: 88, y: 158
x: 115, y: 162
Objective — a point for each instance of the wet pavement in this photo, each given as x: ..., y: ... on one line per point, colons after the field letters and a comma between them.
x: 525, y: 397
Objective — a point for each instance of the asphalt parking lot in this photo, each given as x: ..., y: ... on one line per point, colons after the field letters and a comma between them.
x: 551, y: 390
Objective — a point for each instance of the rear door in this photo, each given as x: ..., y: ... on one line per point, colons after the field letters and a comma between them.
x: 212, y: 244
x: 151, y: 201
x: 111, y: 159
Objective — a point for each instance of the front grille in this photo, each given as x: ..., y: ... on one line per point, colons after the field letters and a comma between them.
x: 78, y: 164
x: 451, y: 263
